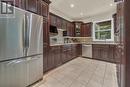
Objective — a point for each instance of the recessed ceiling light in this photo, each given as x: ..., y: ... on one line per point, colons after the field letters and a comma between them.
x: 81, y: 14
x: 71, y: 5
x: 111, y: 4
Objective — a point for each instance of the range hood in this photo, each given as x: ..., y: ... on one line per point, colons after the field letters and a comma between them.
x: 53, y: 31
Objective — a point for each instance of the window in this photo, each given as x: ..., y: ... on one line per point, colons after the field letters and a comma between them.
x: 103, y: 31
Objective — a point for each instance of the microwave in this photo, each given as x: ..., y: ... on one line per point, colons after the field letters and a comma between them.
x: 64, y: 33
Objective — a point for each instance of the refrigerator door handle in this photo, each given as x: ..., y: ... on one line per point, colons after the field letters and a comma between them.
x: 27, y: 31
x: 23, y: 33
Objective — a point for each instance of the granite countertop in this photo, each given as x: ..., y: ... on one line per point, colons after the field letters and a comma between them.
x: 89, y: 43
x: 63, y: 44
x: 107, y: 43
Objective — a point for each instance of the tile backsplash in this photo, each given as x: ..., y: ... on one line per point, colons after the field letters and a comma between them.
x: 65, y: 40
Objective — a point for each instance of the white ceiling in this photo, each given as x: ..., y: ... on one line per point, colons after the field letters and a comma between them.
x: 87, y: 7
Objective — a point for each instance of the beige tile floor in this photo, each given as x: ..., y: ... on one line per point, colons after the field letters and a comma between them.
x: 81, y: 72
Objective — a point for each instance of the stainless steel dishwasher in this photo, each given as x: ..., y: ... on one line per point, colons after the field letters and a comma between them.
x: 87, y: 51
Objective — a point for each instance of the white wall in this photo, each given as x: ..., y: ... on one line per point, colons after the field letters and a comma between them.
x: 99, y: 17
x: 59, y: 13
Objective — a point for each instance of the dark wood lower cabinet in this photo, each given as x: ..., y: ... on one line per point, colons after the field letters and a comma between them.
x: 55, y: 56
x: 45, y: 58
x: 66, y: 53
x: 79, y: 50
x: 51, y: 59
x: 96, y: 52
x: 104, y: 52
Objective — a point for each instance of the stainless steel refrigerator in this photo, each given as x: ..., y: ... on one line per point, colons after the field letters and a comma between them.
x: 21, y: 49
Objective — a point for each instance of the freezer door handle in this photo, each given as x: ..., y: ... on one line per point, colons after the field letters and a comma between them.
x: 32, y: 58
x: 16, y: 61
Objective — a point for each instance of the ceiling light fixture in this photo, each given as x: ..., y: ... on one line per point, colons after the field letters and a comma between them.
x: 71, y: 5
x: 81, y: 14
x: 111, y: 4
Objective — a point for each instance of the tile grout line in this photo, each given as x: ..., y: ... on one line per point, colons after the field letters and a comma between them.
x: 104, y: 75
x: 92, y: 75
x: 96, y: 66
x: 63, y: 83
x: 81, y: 72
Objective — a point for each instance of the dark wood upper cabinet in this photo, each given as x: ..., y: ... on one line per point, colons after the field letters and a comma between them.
x: 44, y: 9
x: 115, y: 23
x: 32, y: 5
x: 17, y: 3
x: 77, y: 28
x: 64, y: 24
x: 82, y: 29
x: 59, y: 23
x: 45, y: 32
x: 20, y: 3
x: 70, y: 29
x: 86, y: 29
x: 53, y: 20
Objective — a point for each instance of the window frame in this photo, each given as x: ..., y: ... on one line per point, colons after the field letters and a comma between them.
x: 112, y: 30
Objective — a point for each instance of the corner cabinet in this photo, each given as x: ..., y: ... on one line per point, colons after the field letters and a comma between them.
x: 104, y: 52
x: 82, y: 29
x: 77, y: 26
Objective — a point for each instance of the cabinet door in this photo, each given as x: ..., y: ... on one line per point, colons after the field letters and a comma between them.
x: 79, y: 50
x: 82, y: 30
x: 69, y: 53
x: 73, y: 51
x: 111, y: 55
x: 96, y: 52
x: 70, y: 29
x: 59, y: 23
x: 64, y: 24
x: 53, y: 20
x: 20, y: 3
x: 45, y: 32
x: 104, y: 53
x: 44, y: 9
x: 17, y: 3
x: 86, y: 30
x: 57, y: 56
x: 115, y: 23
x: 51, y: 59
x: 64, y: 54
x: 45, y: 58
x: 31, y: 5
